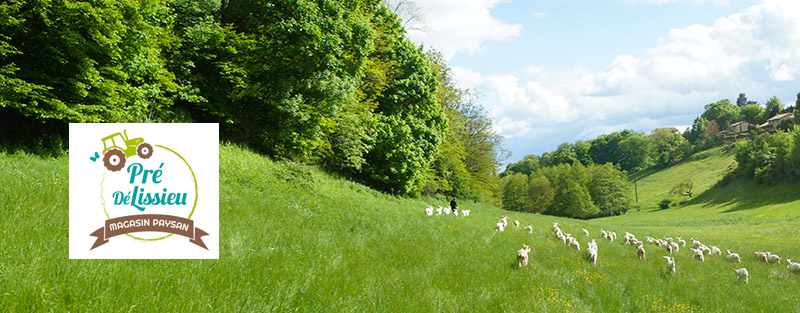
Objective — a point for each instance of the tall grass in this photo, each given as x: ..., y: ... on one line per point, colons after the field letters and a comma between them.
x: 296, y: 239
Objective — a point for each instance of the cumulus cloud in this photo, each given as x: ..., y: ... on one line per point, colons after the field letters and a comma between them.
x: 453, y: 26
x: 689, y: 67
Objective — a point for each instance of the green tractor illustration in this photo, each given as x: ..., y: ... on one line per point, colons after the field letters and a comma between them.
x: 118, y: 147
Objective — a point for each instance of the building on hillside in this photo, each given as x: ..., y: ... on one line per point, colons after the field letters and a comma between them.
x: 773, y: 122
x: 739, y: 127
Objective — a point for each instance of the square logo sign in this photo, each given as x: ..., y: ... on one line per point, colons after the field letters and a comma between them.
x: 143, y: 191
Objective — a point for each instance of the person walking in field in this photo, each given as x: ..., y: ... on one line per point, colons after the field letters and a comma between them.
x: 453, y: 204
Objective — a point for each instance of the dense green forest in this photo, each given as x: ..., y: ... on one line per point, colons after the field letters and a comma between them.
x: 332, y: 83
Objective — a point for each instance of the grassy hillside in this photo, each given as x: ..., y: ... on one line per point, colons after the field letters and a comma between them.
x: 704, y: 168
x: 296, y: 239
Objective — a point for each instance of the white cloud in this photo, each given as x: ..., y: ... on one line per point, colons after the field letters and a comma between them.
x: 453, y: 26
x: 691, y: 66
x: 662, y: 86
x: 466, y: 78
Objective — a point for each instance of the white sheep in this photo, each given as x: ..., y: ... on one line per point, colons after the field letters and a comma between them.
x: 559, y: 234
x: 760, y: 256
x: 629, y: 238
x: 455, y: 212
x: 529, y: 228
x: 500, y: 227
x: 793, y: 267
x: 504, y: 220
x: 465, y: 213
x: 641, y: 252
x: 592, y: 252
x: 605, y: 233
x: 681, y: 241
x: 695, y: 243
x: 522, y: 255
x: 429, y: 211
x: 574, y: 243
x: 733, y: 257
x: 670, y: 263
x: 447, y: 211
x: 565, y: 238
x: 675, y: 246
x: 742, y: 274
x: 773, y: 258
x: 698, y: 254
x: 669, y: 247
x: 715, y: 251
x: 516, y: 223
x: 585, y: 232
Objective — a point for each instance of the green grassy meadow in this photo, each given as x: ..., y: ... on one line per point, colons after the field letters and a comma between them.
x: 295, y: 239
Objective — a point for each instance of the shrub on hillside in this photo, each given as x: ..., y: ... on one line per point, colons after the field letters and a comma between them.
x: 665, y: 204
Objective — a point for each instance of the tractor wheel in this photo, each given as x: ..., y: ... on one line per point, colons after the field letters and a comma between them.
x: 144, y: 150
x: 114, y: 160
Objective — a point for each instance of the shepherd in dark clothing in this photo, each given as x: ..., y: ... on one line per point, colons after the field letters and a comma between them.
x: 453, y: 205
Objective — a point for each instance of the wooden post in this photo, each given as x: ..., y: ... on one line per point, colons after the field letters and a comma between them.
x: 636, y: 190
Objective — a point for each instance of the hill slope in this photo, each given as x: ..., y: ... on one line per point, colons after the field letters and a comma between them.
x: 296, y: 239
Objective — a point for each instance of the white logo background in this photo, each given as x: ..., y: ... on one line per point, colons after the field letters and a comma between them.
x: 198, y: 144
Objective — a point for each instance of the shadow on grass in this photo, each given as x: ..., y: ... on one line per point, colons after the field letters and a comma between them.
x: 746, y: 194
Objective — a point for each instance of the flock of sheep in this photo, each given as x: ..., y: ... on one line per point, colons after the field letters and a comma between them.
x: 671, y: 245
x: 429, y: 211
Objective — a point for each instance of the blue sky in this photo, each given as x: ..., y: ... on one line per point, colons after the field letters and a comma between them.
x: 550, y: 72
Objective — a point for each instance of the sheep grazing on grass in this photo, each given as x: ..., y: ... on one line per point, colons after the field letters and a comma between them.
x: 447, y: 211
x: 641, y: 252
x: 773, y: 258
x: 793, y: 267
x: 465, y: 213
x: 529, y: 228
x: 629, y: 238
x: 429, y: 211
x: 675, y: 246
x: 733, y: 257
x: 681, y: 241
x: 455, y: 212
x: 516, y: 223
x: 522, y: 255
x: 715, y: 251
x: 698, y: 254
x: 567, y: 238
x: 612, y: 236
x: 574, y: 243
x: 585, y: 232
x: 696, y: 243
x: 592, y: 252
x: 559, y: 234
x: 760, y: 256
x: 742, y: 274
x: 669, y: 247
x: 504, y: 220
x: 500, y: 227
x: 605, y: 233
x: 670, y: 264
